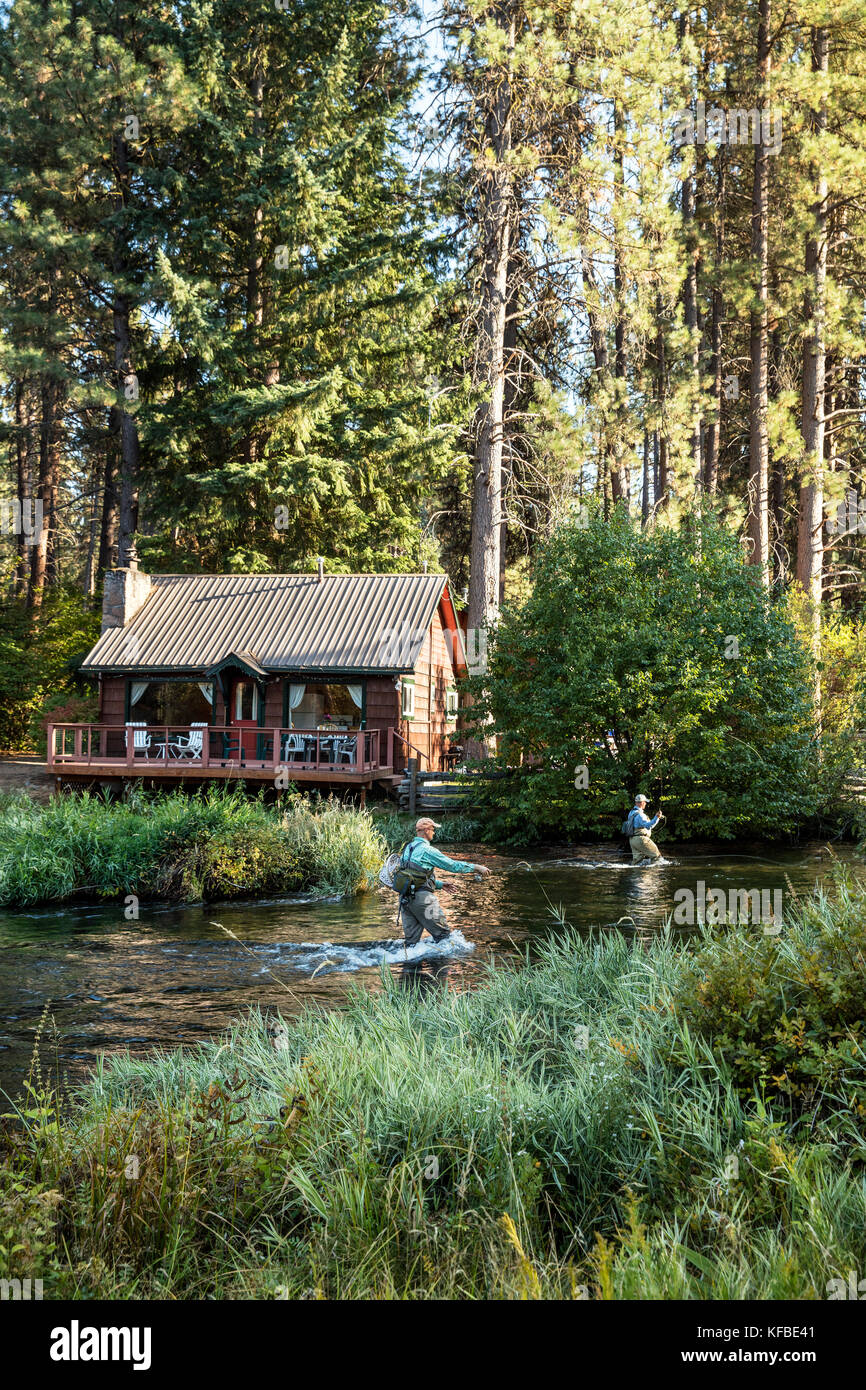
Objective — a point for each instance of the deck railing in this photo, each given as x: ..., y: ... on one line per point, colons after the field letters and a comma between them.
x: 149, y: 748
x: 411, y: 750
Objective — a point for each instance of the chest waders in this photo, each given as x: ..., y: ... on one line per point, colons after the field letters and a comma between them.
x: 407, y: 881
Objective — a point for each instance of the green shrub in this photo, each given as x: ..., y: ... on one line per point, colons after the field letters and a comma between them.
x: 230, y: 864
x: 664, y: 638
x: 787, y: 1014
x: 220, y: 844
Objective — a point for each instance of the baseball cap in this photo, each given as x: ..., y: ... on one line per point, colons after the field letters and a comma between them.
x: 427, y: 820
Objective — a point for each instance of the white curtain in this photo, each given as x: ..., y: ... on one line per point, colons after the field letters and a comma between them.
x: 296, y: 695
x: 357, y: 694
x: 206, y: 690
x: 136, y: 690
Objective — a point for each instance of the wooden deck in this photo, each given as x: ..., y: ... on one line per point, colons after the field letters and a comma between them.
x: 167, y: 753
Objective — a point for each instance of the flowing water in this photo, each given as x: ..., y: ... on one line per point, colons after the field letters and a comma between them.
x: 173, y: 977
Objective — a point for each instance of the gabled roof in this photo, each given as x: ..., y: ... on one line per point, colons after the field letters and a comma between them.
x: 290, y: 622
x: 239, y: 661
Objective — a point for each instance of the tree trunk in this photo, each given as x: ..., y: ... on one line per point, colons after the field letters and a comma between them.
x: 612, y: 483
x: 129, y: 449
x: 496, y: 218
x: 662, y: 491
x: 52, y: 537
x: 511, y: 373
x: 619, y: 478
x: 810, y: 537
x: 108, y: 522
x: 126, y: 380
x: 717, y: 320
x: 776, y: 465
x: 88, y: 573
x: 45, y: 490
x: 690, y: 315
x: 23, y: 480
x: 759, y: 457
x: 255, y: 301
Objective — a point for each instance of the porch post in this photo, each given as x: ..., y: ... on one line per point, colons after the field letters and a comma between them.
x: 49, y: 751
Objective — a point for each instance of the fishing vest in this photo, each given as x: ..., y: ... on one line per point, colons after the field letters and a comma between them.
x: 407, y: 880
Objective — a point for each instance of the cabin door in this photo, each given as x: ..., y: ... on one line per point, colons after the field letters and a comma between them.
x: 245, y: 715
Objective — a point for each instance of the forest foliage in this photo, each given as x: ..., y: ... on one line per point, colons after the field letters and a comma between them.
x: 399, y: 284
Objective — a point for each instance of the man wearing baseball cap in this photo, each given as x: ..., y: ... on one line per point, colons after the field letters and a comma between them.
x: 640, y: 829
x: 419, y: 906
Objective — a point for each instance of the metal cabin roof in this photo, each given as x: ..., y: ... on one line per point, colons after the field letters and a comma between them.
x: 291, y: 622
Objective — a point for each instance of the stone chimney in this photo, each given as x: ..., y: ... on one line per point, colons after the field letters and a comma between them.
x: 321, y: 568
x: 124, y: 593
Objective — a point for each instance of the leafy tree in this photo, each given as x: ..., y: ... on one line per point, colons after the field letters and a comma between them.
x: 654, y: 660
x: 39, y: 656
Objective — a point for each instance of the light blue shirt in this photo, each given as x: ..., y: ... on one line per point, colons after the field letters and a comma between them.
x: 424, y: 856
x: 639, y: 820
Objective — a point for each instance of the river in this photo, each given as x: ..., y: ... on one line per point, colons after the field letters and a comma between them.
x: 173, y: 977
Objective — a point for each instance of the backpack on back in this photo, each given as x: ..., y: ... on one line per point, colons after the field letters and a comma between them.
x: 398, y: 875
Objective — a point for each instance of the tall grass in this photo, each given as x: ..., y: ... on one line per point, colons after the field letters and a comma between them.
x: 560, y: 1132
x: 458, y: 827
x: 215, y: 845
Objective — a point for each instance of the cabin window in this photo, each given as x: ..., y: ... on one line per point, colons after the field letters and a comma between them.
x: 451, y: 702
x: 326, y: 705
x: 246, y: 700
x: 407, y: 699
x: 170, y: 702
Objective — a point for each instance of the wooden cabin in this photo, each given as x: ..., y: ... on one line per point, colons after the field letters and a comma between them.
x: 323, y: 678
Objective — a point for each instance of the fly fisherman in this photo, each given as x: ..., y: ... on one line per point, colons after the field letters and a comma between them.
x: 415, y: 879
x: 639, y: 829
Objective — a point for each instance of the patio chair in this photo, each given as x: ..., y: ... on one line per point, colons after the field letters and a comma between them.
x: 346, y: 749
x: 192, y: 745
x: 292, y: 745
x: 141, y: 740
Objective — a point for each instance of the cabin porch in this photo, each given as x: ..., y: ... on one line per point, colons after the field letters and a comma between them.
x: 200, y: 752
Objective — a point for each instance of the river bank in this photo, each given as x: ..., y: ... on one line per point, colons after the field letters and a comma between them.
x: 224, y: 845
x: 621, y: 1118
x: 178, y: 848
